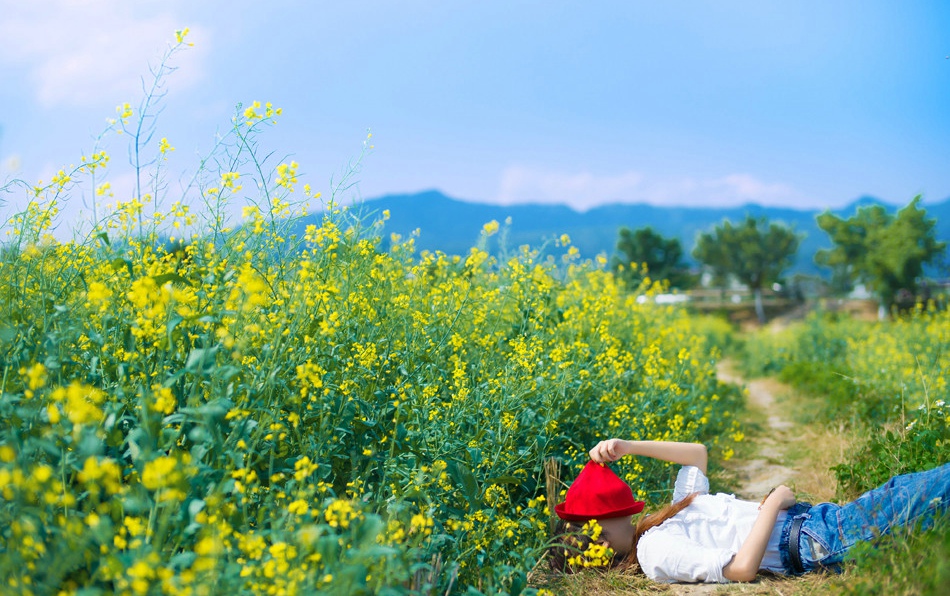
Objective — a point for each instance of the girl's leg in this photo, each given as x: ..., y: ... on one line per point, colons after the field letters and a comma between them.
x: 902, y: 501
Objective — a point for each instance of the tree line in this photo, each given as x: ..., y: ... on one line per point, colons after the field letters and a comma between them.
x: 884, y: 251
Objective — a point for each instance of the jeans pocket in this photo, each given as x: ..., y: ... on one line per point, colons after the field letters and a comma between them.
x: 814, y: 547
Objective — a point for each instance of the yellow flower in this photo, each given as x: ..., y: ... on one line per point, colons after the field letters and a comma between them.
x: 163, y: 400
x: 421, y: 524
x: 35, y: 377
x: 339, y: 513
x: 181, y: 34
x: 298, y: 507
x: 162, y: 474
x: 42, y: 473
x: 164, y: 146
x: 124, y: 111
x: 81, y: 403
x: 7, y: 454
x: 206, y: 546
x: 592, y: 529
x: 228, y: 179
x: 287, y: 175
x: 98, y: 293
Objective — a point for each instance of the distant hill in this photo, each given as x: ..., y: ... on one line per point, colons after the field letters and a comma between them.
x: 453, y: 226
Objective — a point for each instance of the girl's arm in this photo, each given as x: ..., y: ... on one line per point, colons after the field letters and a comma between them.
x: 687, y: 454
x: 745, y: 565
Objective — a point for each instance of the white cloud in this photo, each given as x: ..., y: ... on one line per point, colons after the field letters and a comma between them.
x: 747, y: 189
x: 78, y: 52
x: 581, y: 191
x: 584, y: 190
x: 10, y: 166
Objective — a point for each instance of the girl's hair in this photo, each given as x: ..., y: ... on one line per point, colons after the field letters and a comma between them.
x: 570, y: 541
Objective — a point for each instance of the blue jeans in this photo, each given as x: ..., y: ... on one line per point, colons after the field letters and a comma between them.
x: 829, y: 531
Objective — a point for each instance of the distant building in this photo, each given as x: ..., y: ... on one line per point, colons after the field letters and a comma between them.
x: 860, y: 292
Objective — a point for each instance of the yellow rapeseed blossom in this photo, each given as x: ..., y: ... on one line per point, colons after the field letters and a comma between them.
x: 35, y: 377
x: 124, y: 111
x: 164, y: 147
x: 421, y: 524
x: 163, y: 400
x: 287, y: 175
x: 163, y: 475
x: 80, y: 403
x: 101, y: 474
x: 340, y: 513
x: 298, y: 507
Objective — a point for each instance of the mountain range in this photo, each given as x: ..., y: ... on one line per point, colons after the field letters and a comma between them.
x: 453, y: 226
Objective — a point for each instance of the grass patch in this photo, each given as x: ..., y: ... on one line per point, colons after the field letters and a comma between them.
x: 904, y: 563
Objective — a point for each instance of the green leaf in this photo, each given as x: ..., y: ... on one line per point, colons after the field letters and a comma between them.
x: 164, y: 278
x: 202, y: 360
x: 506, y: 479
x: 463, y: 477
x: 182, y: 560
x: 118, y: 263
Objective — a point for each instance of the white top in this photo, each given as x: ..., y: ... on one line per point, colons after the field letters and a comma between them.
x: 696, y: 543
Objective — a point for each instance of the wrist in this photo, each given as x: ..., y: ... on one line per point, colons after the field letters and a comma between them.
x: 627, y: 447
x: 772, y: 506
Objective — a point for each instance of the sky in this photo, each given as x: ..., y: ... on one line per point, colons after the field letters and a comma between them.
x: 807, y: 104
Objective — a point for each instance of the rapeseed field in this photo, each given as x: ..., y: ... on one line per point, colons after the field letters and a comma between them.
x: 201, y: 395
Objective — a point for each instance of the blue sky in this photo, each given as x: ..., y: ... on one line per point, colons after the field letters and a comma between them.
x: 805, y: 104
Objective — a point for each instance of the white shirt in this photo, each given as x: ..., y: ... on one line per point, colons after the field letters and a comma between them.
x: 696, y: 543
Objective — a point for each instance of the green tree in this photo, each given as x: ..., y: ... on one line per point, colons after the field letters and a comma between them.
x: 755, y: 252
x: 885, y: 252
x: 662, y: 258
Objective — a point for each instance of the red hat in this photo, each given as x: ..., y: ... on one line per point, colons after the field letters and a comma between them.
x: 597, y: 493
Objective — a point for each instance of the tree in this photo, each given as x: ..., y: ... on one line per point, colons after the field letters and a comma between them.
x: 886, y: 253
x: 662, y: 258
x: 755, y: 252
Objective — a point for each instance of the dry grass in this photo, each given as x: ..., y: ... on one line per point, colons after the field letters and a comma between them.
x: 812, y: 449
x: 819, y: 450
x: 613, y: 583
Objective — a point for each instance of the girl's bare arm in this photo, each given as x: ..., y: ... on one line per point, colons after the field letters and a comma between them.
x: 687, y: 454
x: 745, y: 565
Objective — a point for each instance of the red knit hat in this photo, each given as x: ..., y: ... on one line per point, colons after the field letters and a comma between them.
x: 597, y: 493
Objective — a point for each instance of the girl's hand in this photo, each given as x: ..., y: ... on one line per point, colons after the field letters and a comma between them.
x: 780, y: 496
x: 607, y: 451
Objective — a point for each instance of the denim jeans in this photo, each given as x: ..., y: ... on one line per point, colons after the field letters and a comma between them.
x: 829, y: 531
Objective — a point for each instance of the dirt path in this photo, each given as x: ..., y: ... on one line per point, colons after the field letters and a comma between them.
x: 767, y: 468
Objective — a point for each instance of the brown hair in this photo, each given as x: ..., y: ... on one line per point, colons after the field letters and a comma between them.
x: 571, y: 540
